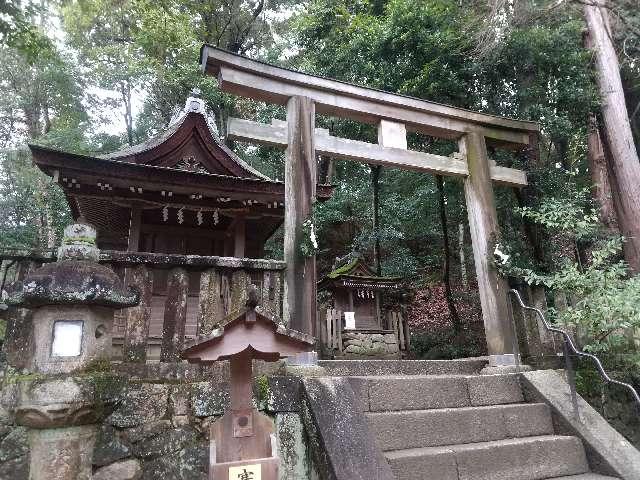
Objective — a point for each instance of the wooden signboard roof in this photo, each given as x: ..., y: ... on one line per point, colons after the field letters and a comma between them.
x: 252, y: 331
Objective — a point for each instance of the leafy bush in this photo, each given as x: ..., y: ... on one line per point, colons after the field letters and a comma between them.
x: 605, y: 304
x: 446, y: 345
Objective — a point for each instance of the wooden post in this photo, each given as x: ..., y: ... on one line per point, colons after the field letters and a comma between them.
x: 134, y: 228
x: 401, y: 336
x: 241, y: 384
x: 175, y: 315
x: 239, y: 235
x: 483, y: 224
x: 299, y: 309
x: 138, y: 317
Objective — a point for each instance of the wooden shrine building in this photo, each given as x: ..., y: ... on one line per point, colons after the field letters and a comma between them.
x: 355, y: 288
x: 354, y: 325
x: 182, y: 193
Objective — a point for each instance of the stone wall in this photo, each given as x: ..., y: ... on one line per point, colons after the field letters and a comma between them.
x: 366, y: 344
x: 159, y: 429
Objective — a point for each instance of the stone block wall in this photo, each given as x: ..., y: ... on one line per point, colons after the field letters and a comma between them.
x: 369, y: 344
x: 160, y: 427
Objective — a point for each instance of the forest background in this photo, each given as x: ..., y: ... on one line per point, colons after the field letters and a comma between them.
x: 93, y: 75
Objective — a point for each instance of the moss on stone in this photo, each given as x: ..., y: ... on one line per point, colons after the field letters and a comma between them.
x: 262, y: 382
x: 102, y: 389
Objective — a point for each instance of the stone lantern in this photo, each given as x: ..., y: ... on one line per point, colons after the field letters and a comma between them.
x: 73, y: 302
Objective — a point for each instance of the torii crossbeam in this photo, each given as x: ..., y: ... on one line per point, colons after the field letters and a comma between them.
x: 305, y: 95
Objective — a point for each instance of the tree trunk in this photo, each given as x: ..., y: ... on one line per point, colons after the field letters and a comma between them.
x: 463, y: 261
x: 325, y: 169
x: 600, y: 176
x: 125, y: 90
x: 446, y: 267
x: 625, y: 166
x: 375, y: 191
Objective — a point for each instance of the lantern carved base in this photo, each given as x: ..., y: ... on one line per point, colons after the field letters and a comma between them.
x: 62, y: 402
x: 62, y: 453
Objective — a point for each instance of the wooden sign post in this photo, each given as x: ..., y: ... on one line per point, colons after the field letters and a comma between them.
x: 243, y: 444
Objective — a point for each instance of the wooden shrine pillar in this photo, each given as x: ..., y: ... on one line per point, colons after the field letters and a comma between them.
x: 483, y: 224
x: 134, y: 228
x: 239, y: 237
x: 299, y: 306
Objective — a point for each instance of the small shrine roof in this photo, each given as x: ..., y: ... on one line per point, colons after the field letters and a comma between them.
x: 355, y: 273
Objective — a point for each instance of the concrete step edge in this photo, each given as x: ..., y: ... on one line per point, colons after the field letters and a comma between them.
x: 528, y: 458
x: 426, y: 376
x: 341, y: 368
x: 408, y: 452
x: 502, y: 406
x: 585, y: 476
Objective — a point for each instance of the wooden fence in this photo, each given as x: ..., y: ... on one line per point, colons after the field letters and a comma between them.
x: 181, y: 295
x: 397, y: 322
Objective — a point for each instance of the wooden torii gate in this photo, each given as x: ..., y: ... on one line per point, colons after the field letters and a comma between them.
x: 305, y: 95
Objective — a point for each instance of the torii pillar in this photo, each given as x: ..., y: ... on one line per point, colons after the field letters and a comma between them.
x: 483, y: 225
x: 299, y: 306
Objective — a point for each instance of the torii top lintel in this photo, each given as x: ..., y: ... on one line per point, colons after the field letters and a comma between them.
x: 262, y: 81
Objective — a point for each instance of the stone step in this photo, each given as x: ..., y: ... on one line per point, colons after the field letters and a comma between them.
x: 363, y: 368
x: 531, y: 458
x: 416, y: 392
x: 585, y: 476
x: 428, y: 428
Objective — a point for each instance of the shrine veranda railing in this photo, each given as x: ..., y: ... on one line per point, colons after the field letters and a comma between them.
x: 181, y: 295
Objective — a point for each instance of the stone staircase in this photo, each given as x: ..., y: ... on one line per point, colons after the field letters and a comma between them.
x: 457, y: 426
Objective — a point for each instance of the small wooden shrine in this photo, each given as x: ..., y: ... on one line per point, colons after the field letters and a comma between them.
x: 355, y: 326
x: 243, y: 439
x: 182, y: 192
x: 354, y: 287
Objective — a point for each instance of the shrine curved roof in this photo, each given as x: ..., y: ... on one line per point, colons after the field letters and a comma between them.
x: 193, y: 121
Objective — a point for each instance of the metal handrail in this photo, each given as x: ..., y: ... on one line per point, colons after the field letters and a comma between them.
x: 569, y: 345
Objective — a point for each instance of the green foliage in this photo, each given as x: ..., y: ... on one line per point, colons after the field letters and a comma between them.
x: 605, y: 302
x: 33, y: 211
x: 445, y: 345
x: 18, y: 31
x: 409, y: 47
x: 262, y: 384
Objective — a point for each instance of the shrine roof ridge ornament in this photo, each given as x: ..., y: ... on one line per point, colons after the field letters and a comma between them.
x: 262, y: 81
